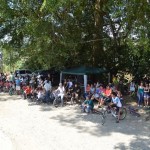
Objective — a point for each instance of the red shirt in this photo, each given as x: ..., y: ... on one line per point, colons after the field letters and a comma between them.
x: 28, y: 90
x: 108, y: 92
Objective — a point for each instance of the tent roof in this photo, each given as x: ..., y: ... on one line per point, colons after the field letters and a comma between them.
x: 84, y: 70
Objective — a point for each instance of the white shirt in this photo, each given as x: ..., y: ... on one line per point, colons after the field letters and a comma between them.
x: 116, y: 101
x: 61, y: 90
x: 47, y: 87
x: 40, y: 94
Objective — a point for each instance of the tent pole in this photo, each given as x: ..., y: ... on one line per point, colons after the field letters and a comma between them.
x: 85, y: 83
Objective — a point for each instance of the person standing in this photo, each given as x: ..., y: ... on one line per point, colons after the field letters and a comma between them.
x: 146, y: 95
x: 47, y: 87
x: 132, y: 88
x: 140, y: 94
x: 11, y: 77
x: 18, y: 85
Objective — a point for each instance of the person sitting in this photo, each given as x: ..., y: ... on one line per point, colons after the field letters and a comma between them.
x: 40, y: 95
x: 108, y: 94
x: 6, y: 86
x: 88, y: 105
x: 69, y: 84
x: 34, y: 93
x: 68, y: 94
x: 119, y: 95
x: 102, y: 93
x: 88, y: 87
x: 108, y: 91
x: 76, y: 93
x: 61, y: 90
x: 92, y: 89
x: 27, y: 92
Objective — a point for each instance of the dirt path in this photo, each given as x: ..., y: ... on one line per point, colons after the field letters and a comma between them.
x: 26, y: 126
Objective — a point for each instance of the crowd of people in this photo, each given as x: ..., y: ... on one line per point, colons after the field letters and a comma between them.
x: 28, y: 86
x: 41, y: 89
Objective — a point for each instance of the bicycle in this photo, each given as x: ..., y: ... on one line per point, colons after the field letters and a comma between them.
x: 57, y: 99
x: 147, y: 118
x: 102, y: 115
x: 133, y: 111
x: 12, y: 91
x: 113, y: 111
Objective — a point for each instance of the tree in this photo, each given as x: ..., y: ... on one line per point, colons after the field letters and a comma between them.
x: 45, y: 34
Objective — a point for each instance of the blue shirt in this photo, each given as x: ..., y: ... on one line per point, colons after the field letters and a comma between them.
x: 18, y: 82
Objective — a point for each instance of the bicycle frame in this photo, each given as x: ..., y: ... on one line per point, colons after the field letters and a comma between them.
x: 114, y: 112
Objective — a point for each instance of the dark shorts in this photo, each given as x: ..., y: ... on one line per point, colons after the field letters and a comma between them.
x: 114, y: 105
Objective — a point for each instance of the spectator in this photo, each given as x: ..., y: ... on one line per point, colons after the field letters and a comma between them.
x: 47, y: 87
x: 108, y: 91
x: 132, y: 87
x: 40, y: 94
x: 88, y: 104
x: 18, y: 84
x: 92, y: 89
x: 140, y: 94
x: 146, y: 94
x: 76, y: 92
x: 27, y: 92
x: 88, y: 87
x: 61, y: 90
x: 69, y: 84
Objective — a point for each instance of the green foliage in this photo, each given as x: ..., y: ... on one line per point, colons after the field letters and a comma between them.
x: 57, y: 33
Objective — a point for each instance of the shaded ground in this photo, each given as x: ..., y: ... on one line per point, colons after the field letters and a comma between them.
x: 28, y: 126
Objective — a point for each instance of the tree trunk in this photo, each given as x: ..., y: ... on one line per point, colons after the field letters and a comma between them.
x: 98, y: 34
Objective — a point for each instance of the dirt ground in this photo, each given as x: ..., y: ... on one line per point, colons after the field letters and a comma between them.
x: 27, y: 126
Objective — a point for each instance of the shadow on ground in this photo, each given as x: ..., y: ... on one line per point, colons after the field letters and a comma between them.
x: 43, y: 106
x: 71, y: 116
x: 91, y: 124
x: 6, y: 97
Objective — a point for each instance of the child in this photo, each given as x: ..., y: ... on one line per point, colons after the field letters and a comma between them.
x: 27, y: 92
x: 88, y: 104
x: 116, y: 103
x: 40, y: 95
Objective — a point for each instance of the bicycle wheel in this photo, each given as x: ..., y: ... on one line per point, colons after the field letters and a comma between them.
x: 10, y: 92
x: 134, y: 113
x: 102, y: 117
x: 106, y: 112
x: 123, y: 113
x: 55, y: 102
